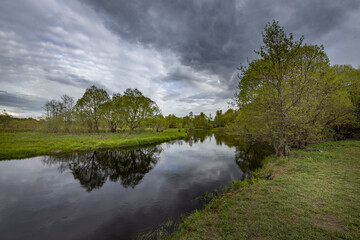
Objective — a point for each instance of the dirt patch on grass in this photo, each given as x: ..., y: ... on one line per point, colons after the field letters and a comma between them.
x: 252, y: 234
x: 57, y: 151
x: 212, y: 234
x: 316, y: 205
x: 103, y: 147
x: 277, y: 171
x: 276, y: 188
x: 327, y: 222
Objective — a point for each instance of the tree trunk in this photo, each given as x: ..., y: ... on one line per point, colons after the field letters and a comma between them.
x: 283, y: 149
x: 96, y: 126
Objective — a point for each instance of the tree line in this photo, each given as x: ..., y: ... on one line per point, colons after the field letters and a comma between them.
x: 10, y: 123
x: 96, y: 111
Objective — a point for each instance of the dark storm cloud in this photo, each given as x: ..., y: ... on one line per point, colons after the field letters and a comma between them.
x: 205, y: 34
x: 317, y: 18
x: 217, y: 35
x: 21, y: 101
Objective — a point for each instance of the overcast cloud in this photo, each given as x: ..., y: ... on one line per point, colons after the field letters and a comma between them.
x: 182, y: 54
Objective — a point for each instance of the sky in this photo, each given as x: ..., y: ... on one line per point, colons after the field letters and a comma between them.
x: 182, y: 54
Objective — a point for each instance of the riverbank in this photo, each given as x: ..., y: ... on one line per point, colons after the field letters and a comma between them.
x: 28, y: 144
x: 313, y: 194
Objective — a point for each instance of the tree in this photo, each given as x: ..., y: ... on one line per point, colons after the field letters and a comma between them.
x: 202, y: 122
x: 67, y: 105
x: 59, y: 113
x: 5, y: 119
x: 348, y: 125
x: 53, y: 108
x: 138, y: 108
x: 89, y: 104
x: 172, y: 121
x: 224, y: 119
x: 114, y: 112
x: 109, y: 113
x: 218, y: 120
x: 186, y: 122
x: 157, y: 123
x: 283, y: 96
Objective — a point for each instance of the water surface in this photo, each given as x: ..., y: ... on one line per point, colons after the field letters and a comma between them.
x: 116, y: 194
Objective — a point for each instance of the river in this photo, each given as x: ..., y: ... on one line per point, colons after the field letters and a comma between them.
x: 117, y: 194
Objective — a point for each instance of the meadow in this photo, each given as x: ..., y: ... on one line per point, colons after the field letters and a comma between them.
x: 27, y: 144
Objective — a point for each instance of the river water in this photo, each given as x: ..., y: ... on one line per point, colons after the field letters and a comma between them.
x: 117, y: 194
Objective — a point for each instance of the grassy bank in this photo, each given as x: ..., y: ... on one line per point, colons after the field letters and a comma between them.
x: 27, y: 144
x: 313, y: 194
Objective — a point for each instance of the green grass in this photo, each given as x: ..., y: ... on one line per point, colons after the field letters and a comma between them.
x: 27, y: 144
x: 313, y: 194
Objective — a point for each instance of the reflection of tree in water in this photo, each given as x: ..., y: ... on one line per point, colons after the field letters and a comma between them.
x: 201, y: 136
x: 197, y: 136
x: 132, y: 166
x: 249, y: 156
x: 226, y: 139
x: 93, y: 169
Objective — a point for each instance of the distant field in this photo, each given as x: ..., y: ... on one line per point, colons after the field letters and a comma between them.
x: 313, y: 194
x: 26, y: 144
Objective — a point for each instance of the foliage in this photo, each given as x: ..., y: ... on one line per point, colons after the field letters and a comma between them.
x: 5, y: 118
x: 222, y: 120
x: 187, y: 122
x: 290, y: 95
x: 172, y: 121
x: 88, y: 106
x: 96, y: 111
x: 138, y: 108
x: 157, y: 123
x: 114, y: 112
x: 201, y: 121
x: 58, y: 114
x: 9, y: 123
x: 349, y: 125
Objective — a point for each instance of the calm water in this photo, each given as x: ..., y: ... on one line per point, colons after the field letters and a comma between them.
x: 116, y: 194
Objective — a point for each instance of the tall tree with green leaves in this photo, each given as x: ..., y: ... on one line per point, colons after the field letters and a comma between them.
x: 201, y: 121
x: 89, y: 104
x: 138, y: 108
x: 347, y: 125
x: 114, y: 112
x: 283, y: 95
